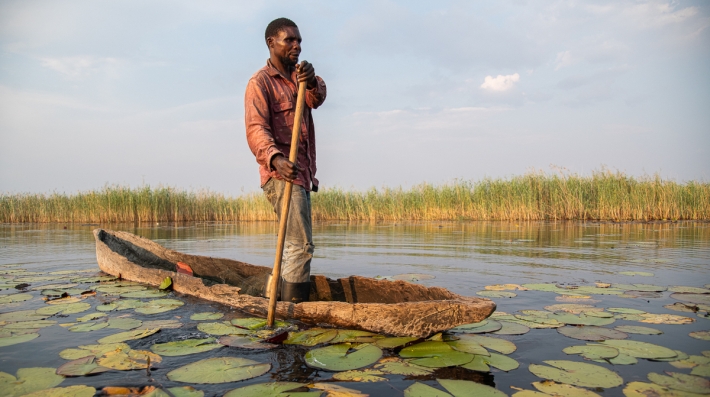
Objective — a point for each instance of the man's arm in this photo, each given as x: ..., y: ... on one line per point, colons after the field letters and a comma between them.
x: 316, y: 91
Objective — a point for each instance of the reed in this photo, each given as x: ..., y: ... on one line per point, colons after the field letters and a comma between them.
x: 603, y: 195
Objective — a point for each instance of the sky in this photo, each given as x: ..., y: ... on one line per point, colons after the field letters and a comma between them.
x: 133, y: 93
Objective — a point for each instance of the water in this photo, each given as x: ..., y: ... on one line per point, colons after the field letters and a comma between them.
x: 463, y: 257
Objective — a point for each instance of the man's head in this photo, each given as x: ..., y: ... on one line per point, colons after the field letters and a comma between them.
x: 284, y: 40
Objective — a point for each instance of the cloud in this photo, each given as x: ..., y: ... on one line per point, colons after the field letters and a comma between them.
x: 75, y: 67
x: 500, y: 83
x: 564, y: 59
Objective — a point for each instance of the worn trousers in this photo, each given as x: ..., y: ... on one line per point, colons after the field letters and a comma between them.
x: 298, y: 248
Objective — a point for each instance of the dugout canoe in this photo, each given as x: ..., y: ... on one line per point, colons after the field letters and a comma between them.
x: 391, y: 307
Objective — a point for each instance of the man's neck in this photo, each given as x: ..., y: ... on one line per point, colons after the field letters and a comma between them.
x: 284, y: 69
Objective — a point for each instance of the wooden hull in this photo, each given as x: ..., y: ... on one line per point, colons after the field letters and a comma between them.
x: 390, y: 307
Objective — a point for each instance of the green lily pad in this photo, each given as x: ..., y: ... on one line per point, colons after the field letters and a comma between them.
x: 206, y: 316
x: 81, y: 367
x: 645, y: 274
x: 92, y: 350
x: 621, y: 359
x: 640, y: 349
x: 271, y: 389
x: 33, y: 279
x: 422, y: 390
x: 219, y: 370
x: 490, y: 343
x: 477, y: 364
x: 551, y: 388
x: 637, y: 329
x: 311, y: 337
x: 16, y: 339
x: 93, y: 279
x: 166, y: 283
x: 90, y: 317
x: 15, y: 298
x: 592, y: 352
x: 245, y: 342
x: 701, y: 370
x: 702, y: 335
x: 574, y: 308
x: 576, y: 373
x: 366, y: 376
x: 21, y: 315
x: 497, y: 294
x: 118, y: 289
x: 690, y: 361
x: 186, y: 391
x: 545, y: 287
x: 468, y: 346
x: 511, y: 328
x: 588, y: 290
x: 689, y: 290
x: 625, y: 310
x: 478, y: 328
x: 405, y: 368
x: 682, y: 382
x: 69, y: 391
x: 107, y: 307
x: 30, y: 324
x: 591, y: 333
x: 503, y: 363
x: 643, y: 389
x: 185, y: 347
x: 581, y: 319
x: 223, y: 328
x: 159, y: 306
x: 434, y: 354
x: 391, y: 343
x: 413, y: 277
x: 162, y: 324
x: 651, y: 318
x: 65, y: 308
x: 148, y: 293
x: 343, y: 357
x: 88, y: 326
x: 128, y: 335
x: 702, y: 299
x: 28, y: 380
x: 457, y: 388
x: 127, y: 360
x: 54, y: 286
x: 353, y: 336
x: 125, y: 323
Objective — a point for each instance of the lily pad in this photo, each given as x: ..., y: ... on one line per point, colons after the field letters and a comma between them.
x: 118, y: 289
x: 468, y: 346
x: 125, y: 360
x: 354, y: 336
x: 625, y: 310
x: 159, y: 306
x: 391, y: 343
x: 245, y: 342
x: 271, y: 389
x: 81, y: 367
x: 591, y: 333
x: 21, y: 315
x: 29, y: 380
x: 621, y: 359
x: 501, y: 362
x: 505, y: 287
x: 574, y: 308
x: 689, y: 290
x: 413, y: 277
x: 223, y: 328
x: 682, y: 382
x: 88, y: 326
x: 491, y: 343
x: 16, y: 339
x: 311, y: 337
x: 405, y: 368
x: 478, y: 364
x: 128, y: 335
x: 343, y: 357
x: 478, y: 328
x: 366, y: 376
x: 640, y: 349
x: 54, y: 286
x: 422, y: 390
x: 665, y: 319
x: 65, y: 308
x: 581, y: 319
x: 162, y: 324
x: 702, y: 335
x: 644, y: 274
x: 576, y: 373
x: 637, y: 329
x: 592, y: 352
x: 497, y: 294
x: 703, y: 299
x: 92, y: 350
x: 69, y: 391
x: 701, y: 370
x: 434, y: 354
x: 15, y: 298
x: 185, y: 347
x: 560, y: 389
x: 457, y: 388
x: 148, y: 293
x: 90, y: 317
x: 125, y: 323
x: 511, y: 328
x: 643, y: 389
x: 219, y: 370
x: 206, y: 316
x: 93, y: 279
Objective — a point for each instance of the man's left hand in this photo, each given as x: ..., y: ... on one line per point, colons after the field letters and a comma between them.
x: 307, y: 73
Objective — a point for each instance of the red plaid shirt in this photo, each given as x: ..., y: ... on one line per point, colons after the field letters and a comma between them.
x: 269, y: 109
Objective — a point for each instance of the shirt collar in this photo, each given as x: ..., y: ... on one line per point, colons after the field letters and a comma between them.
x: 271, y: 70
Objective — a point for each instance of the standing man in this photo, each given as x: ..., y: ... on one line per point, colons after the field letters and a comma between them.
x: 269, y: 107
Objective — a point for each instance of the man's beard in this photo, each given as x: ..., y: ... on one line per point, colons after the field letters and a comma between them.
x: 287, y: 61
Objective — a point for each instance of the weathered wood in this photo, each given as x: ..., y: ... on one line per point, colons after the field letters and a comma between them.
x: 390, y: 307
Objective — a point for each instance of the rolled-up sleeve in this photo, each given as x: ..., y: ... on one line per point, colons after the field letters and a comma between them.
x: 256, y: 116
x: 316, y: 95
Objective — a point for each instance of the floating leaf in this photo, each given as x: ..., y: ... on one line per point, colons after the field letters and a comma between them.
x: 81, y: 366
x: 167, y: 282
x: 457, y: 388
x: 478, y: 328
x: 637, y: 329
x: 491, y: 343
x: 94, y: 279
x: 497, y: 294
x: 665, y: 319
x: 505, y: 287
x: 185, y: 347
x: 701, y: 370
x: 118, y: 289
x: 574, y: 308
x: 682, y: 382
x: 625, y: 310
x: 28, y: 380
x: 223, y: 328
x: 703, y: 299
x: 219, y: 370
x: 702, y: 335
x: 577, y: 374
x: 621, y: 359
x: 367, y: 375
x: 69, y: 391
x: 435, y: 354
x: 353, y: 336
x: 422, y: 390
x: 271, y: 389
x: 54, y: 286
x: 413, y: 277
x: 92, y: 350
x: 592, y: 333
x: 65, y: 308
x: 148, y: 293
x: 503, y: 363
x: 560, y: 389
x: 592, y: 352
x: 689, y: 290
x: 468, y: 346
x: 125, y: 323
x: 582, y: 319
x: 334, y: 390
x: 343, y: 357
x: 244, y: 342
x: 186, y: 391
x: 690, y: 362
x: 128, y: 359
x: 311, y: 337
x: 642, y: 389
x: 640, y: 349
x: 206, y: 316
x: 477, y: 364
x: 391, y: 343
x: 15, y: 339
x: 15, y: 298
x: 88, y: 326
x: 90, y: 317
x: 159, y: 306
x: 510, y: 328
x: 128, y: 335
x: 162, y: 324
x: 645, y: 274
x: 22, y: 315
x: 30, y: 324
x: 405, y: 368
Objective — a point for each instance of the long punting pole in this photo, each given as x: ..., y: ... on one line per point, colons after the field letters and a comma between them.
x: 285, y: 206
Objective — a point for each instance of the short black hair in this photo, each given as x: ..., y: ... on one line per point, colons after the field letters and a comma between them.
x: 277, y: 25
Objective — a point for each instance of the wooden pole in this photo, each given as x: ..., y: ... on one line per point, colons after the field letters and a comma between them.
x: 285, y: 206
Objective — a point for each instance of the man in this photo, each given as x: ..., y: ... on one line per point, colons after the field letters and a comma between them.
x: 270, y: 103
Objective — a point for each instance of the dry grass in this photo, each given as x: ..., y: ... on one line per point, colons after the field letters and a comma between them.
x: 535, y: 196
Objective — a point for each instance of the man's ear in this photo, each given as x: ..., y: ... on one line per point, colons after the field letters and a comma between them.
x: 269, y: 42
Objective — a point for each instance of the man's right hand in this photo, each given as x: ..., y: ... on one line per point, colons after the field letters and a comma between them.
x: 285, y: 168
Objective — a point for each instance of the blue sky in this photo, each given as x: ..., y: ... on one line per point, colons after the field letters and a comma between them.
x: 132, y: 92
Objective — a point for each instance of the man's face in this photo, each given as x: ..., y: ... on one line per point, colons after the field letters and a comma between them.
x: 286, y: 45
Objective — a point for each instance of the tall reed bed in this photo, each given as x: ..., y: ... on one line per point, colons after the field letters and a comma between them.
x: 535, y: 196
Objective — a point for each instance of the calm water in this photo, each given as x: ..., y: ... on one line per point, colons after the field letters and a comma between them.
x: 463, y: 257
